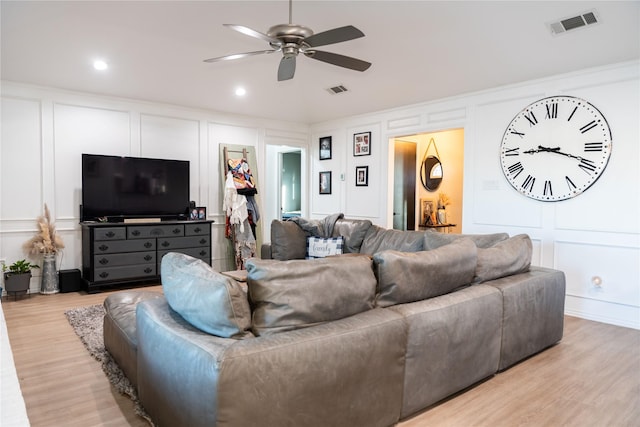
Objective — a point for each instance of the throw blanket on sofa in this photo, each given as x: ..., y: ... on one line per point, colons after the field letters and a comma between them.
x: 318, y: 227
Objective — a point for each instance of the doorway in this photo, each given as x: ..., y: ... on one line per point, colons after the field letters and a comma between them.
x: 448, y: 145
x: 404, y: 185
x: 290, y: 180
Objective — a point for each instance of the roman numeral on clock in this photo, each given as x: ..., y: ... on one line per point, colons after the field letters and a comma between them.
x: 547, y: 189
x: 570, y: 183
x: 552, y: 111
x: 593, y: 146
x: 528, y: 183
x: 515, y: 169
x: 512, y: 151
x: 515, y: 132
x: 531, y: 118
x: 588, y: 126
x: 587, y: 165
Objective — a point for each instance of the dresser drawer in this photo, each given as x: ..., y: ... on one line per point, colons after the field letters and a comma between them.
x: 197, y: 229
x: 183, y: 242
x: 203, y: 253
x: 110, y: 233
x: 141, y: 245
x: 113, y: 260
x: 125, y: 272
x: 145, y: 231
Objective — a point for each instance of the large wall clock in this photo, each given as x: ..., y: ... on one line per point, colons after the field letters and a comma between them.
x: 555, y: 148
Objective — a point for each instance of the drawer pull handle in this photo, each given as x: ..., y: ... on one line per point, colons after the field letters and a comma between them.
x: 110, y: 234
x: 197, y: 229
x: 203, y: 241
x: 176, y: 231
x: 103, y: 247
x: 148, y: 245
x: 148, y: 258
x: 104, y: 275
x: 135, y: 232
x: 165, y: 243
x: 103, y: 261
x: 148, y: 270
x: 203, y: 253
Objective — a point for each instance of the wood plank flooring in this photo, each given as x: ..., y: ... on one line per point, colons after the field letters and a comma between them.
x: 592, y: 378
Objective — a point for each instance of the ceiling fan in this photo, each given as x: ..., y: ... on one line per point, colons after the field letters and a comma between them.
x: 292, y: 39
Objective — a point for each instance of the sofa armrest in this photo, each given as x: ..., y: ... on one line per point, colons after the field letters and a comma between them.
x: 265, y: 251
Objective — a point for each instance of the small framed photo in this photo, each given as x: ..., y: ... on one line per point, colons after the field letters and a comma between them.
x: 325, y: 148
x: 362, y: 176
x: 202, y: 212
x: 362, y: 144
x: 427, y: 212
x: 193, y: 214
x: 325, y: 182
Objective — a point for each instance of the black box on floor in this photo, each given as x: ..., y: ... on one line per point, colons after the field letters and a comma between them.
x: 69, y: 280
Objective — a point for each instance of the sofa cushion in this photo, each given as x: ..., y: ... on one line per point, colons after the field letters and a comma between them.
x: 511, y: 256
x: 353, y: 231
x: 412, y: 276
x: 288, y: 241
x: 380, y: 239
x: 434, y: 240
x: 287, y: 295
x: 210, y: 301
x: 320, y: 247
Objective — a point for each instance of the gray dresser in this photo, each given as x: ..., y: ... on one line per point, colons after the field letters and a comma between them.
x: 121, y: 254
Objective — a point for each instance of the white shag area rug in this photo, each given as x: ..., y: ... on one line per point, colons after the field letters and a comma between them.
x: 87, y: 324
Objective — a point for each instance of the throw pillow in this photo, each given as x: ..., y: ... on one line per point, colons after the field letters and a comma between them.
x: 511, y: 256
x: 413, y: 276
x: 288, y: 241
x: 318, y: 247
x: 434, y: 240
x: 210, y: 301
x: 379, y: 239
x: 288, y: 295
x: 353, y: 231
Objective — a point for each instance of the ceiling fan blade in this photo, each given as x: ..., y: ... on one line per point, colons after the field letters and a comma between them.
x: 253, y: 33
x: 238, y: 55
x: 336, y: 35
x: 287, y: 68
x: 339, y: 60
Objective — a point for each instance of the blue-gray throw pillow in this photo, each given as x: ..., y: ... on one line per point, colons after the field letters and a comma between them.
x: 210, y: 301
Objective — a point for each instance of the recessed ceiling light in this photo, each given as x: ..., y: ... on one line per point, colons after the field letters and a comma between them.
x: 240, y: 91
x: 100, y: 65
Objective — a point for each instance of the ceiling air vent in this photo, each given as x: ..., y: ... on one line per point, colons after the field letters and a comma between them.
x: 337, y: 89
x: 573, y: 22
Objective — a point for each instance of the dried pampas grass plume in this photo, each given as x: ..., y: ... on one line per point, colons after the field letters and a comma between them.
x: 46, y: 241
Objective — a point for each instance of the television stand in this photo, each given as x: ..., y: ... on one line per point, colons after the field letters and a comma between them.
x: 126, y: 254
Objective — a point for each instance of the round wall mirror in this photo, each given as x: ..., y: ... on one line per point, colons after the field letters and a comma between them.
x: 431, y: 173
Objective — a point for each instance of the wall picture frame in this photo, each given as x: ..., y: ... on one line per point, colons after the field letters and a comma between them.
x: 427, y: 212
x: 325, y: 182
x: 325, y: 148
x: 362, y: 144
x: 362, y: 176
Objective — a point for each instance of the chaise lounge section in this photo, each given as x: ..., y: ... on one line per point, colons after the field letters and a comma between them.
x: 365, y: 339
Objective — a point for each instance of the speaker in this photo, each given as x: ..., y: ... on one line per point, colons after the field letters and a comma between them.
x: 69, y: 280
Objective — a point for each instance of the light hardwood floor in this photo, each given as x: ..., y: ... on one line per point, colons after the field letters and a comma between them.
x: 591, y: 378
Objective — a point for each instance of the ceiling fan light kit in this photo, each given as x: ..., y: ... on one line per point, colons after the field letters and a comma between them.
x: 292, y: 39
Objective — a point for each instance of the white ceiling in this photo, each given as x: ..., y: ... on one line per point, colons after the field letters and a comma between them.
x: 420, y: 50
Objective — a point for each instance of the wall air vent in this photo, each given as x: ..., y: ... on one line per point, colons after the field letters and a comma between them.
x: 574, y: 22
x: 337, y: 89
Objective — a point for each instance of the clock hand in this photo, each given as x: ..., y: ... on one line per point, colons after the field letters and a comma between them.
x: 542, y: 149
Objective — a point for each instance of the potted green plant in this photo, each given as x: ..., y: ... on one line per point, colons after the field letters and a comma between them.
x: 17, y: 276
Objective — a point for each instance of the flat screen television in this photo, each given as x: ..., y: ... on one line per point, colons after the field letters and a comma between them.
x: 118, y: 188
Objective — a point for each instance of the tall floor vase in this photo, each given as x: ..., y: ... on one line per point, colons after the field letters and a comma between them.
x: 49, y: 283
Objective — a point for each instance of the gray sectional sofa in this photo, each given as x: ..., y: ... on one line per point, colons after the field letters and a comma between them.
x: 402, y: 321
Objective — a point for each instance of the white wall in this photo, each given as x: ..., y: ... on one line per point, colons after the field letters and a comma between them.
x: 594, y: 234
x: 45, y: 131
